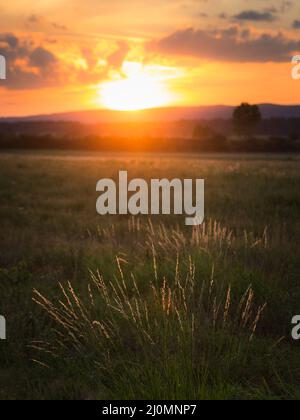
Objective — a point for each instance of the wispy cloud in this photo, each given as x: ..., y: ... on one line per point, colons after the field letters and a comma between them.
x: 32, y: 65
x: 296, y: 24
x: 256, y: 16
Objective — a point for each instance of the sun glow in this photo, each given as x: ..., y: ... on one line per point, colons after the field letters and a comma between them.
x: 138, y: 88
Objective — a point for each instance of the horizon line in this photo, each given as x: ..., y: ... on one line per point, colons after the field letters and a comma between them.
x: 132, y: 112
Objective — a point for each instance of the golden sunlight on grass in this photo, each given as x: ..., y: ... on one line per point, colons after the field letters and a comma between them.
x: 139, y: 88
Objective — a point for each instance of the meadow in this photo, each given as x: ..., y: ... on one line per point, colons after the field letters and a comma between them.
x: 123, y: 307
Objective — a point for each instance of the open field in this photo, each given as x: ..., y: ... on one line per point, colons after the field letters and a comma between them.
x: 149, y: 308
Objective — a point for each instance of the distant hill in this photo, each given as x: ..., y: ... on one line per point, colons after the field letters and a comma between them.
x: 159, y: 114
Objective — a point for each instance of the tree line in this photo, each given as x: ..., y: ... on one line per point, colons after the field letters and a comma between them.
x: 245, y: 132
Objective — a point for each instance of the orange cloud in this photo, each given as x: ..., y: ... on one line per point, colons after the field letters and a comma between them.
x: 32, y: 65
x: 232, y: 44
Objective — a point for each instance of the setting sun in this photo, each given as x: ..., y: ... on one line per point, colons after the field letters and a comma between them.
x: 139, y: 88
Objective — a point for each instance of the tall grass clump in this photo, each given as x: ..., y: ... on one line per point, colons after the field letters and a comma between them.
x: 185, y: 335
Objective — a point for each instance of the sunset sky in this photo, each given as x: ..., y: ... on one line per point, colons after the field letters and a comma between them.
x: 67, y: 55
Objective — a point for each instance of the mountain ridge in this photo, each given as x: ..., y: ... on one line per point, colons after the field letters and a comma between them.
x: 96, y: 116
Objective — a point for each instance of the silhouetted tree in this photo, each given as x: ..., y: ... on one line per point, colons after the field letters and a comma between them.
x: 245, y: 118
